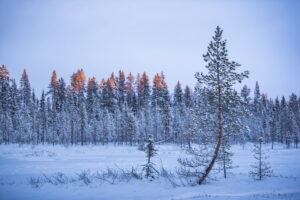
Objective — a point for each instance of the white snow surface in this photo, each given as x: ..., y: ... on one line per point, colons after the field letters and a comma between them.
x: 19, y: 163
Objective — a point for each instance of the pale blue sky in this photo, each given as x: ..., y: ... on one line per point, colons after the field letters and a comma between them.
x: 152, y: 36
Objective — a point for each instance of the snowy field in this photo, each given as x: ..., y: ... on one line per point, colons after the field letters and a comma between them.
x: 19, y: 163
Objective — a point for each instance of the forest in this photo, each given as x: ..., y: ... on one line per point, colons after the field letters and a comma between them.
x: 125, y: 109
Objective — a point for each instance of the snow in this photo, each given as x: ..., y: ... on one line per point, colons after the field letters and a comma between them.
x: 19, y: 163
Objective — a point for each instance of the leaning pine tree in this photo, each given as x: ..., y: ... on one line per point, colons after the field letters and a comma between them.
x: 223, y: 100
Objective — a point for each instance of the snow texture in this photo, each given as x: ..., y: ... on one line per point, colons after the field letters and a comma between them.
x: 19, y: 163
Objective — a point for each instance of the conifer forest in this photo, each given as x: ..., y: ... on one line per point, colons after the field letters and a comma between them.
x: 126, y: 108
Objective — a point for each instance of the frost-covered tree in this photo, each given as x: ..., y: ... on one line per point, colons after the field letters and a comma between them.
x: 273, y: 126
x: 108, y: 127
x: 5, y: 119
x: 188, y: 97
x: 285, y: 134
x: 261, y: 168
x: 257, y: 98
x: 191, y: 132
x: 43, y: 118
x: 82, y: 118
x: 294, y: 119
x: 15, y: 108
x: 219, y: 81
x: 225, y: 157
x: 130, y: 126
x: 25, y: 89
x: 149, y: 167
x: 121, y: 88
x: 127, y: 111
x: 109, y: 94
x: 245, y: 93
x: 25, y: 130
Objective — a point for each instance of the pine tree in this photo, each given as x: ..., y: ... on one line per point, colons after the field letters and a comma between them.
x: 261, y: 168
x: 221, y: 77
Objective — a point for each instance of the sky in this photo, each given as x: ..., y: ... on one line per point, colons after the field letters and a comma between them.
x: 106, y: 36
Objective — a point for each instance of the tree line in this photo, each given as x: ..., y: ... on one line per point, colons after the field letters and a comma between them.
x: 126, y: 109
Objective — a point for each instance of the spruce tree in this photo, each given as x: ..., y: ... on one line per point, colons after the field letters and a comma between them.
x: 121, y: 88
x: 285, y: 134
x: 43, y: 118
x: 15, y: 108
x: 294, y: 113
x: 5, y: 120
x: 130, y: 128
x: 150, y: 151
x: 25, y: 89
x: 188, y: 97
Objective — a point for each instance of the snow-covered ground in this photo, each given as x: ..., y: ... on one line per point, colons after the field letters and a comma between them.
x: 19, y: 163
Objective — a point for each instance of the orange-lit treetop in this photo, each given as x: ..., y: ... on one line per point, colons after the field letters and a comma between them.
x: 129, y: 83
x: 78, y: 80
x: 112, y: 82
x: 4, y: 73
x: 54, y: 81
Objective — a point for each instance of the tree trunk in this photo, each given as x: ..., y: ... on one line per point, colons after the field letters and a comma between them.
x: 81, y: 134
x: 224, y: 162
x: 260, y: 154
x: 220, y: 134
